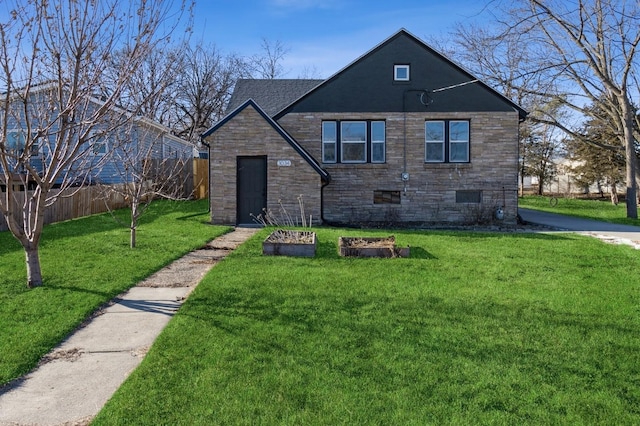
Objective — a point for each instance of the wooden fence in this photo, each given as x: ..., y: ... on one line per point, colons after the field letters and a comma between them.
x: 200, y: 178
x: 78, y: 202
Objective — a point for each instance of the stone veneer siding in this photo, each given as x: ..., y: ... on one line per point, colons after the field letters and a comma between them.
x: 430, y: 195
x: 248, y: 134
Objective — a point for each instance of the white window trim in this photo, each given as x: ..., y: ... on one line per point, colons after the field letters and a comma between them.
x: 440, y: 142
x: 334, y: 141
x: 396, y: 68
x: 343, y: 143
x: 458, y: 142
x: 382, y: 142
x: 99, y: 138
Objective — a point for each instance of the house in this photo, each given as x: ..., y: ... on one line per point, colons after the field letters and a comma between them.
x: 400, y: 137
x: 104, y: 150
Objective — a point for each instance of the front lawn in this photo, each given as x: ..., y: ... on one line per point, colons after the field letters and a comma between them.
x: 588, y: 209
x: 474, y: 328
x: 85, y: 262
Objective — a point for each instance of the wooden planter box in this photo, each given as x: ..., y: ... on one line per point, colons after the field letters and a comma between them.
x: 371, y: 247
x: 290, y: 243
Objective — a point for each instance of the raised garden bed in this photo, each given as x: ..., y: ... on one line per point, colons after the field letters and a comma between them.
x: 371, y: 247
x: 282, y: 242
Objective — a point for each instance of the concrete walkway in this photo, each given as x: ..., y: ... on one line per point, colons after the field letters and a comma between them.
x: 609, y: 232
x: 77, y: 378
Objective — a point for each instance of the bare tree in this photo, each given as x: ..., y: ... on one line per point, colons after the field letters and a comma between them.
x: 152, y: 89
x: 54, y: 58
x: 586, y: 51
x: 269, y: 64
x: 148, y: 163
x: 204, y: 87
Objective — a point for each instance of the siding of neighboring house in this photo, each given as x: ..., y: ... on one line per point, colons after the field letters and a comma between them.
x: 248, y: 134
x: 94, y: 165
x: 141, y: 140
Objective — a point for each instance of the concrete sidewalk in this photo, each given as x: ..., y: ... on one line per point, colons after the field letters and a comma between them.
x: 609, y: 232
x: 77, y: 378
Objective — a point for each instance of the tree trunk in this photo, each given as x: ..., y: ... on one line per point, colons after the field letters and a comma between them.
x: 34, y: 273
x: 132, y: 241
x: 134, y: 224
x: 631, y: 160
x: 540, y: 185
x: 614, y: 194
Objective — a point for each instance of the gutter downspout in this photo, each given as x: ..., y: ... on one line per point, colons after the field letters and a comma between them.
x: 324, y: 184
x: 202, y: 141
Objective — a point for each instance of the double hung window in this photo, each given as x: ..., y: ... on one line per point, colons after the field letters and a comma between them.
x: 353, y: 142
x: 329, y: 141
x: 446, y: 141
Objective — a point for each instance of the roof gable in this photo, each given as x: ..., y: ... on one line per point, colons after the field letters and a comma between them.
x: 271, y: 94
x: 288, y: 138
x: 436, y: 84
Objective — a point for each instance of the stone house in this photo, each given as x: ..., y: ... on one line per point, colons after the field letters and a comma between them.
x: 400, y: 137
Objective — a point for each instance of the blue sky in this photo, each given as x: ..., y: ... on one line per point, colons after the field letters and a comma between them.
x: 323, y: 36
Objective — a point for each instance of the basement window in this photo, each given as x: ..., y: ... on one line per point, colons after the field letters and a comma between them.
x: 474, y: 197
x: 386, y: 197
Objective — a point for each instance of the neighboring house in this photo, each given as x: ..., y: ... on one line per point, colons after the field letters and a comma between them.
x: 137, y: 141
x: 110, y: 142
x: 401, y: 136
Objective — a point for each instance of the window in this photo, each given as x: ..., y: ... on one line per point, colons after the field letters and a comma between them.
x: 98, y: 143
x: 377, y: 142
x: 447, y: 141
x: 434, y: 140
x: 329, y: 141
x: 353, y: 142
x: 16, y: 141
x: 99, y: 147
x: 401, y: 73
x: 459, y: 141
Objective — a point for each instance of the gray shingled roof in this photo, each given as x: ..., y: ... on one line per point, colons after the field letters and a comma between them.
x: 272, y: 95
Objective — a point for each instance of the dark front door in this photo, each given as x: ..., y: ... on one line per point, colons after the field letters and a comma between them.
x: 252, y: 188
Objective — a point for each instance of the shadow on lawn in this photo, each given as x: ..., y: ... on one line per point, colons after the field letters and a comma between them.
x: 329, y: 249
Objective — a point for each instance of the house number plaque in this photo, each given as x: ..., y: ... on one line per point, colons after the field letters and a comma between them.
x: 284, y: 163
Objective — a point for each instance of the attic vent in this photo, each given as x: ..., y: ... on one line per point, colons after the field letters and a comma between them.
x: 401, y: 72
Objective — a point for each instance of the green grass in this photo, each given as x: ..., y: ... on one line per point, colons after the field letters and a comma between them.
x: 474, y: 328
x: 588, y: 209
x: 85, y: 263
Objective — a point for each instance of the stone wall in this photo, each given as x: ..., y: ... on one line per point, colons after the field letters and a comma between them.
x: 429, y: 197
x: 248, y: 134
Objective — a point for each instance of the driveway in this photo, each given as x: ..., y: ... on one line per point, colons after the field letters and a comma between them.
x: 611, y: 232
